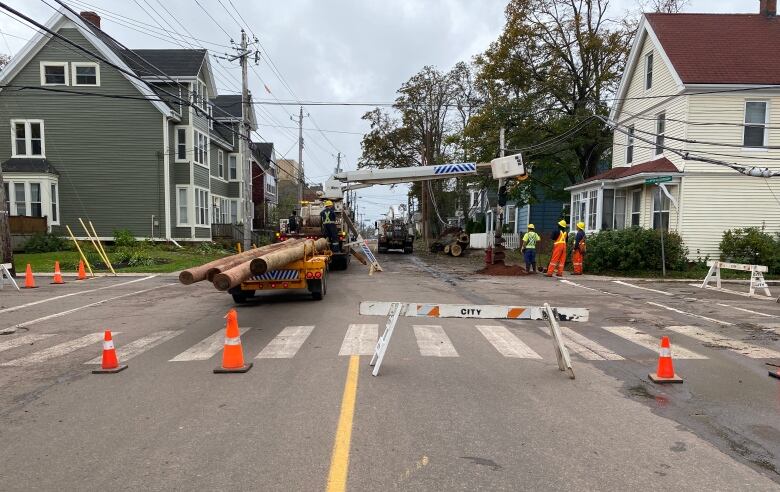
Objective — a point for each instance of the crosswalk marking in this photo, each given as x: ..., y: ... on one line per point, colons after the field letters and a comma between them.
x: 433, y: 341
x: 24, y: 340
x: 360, y: 340
x: 507, y: 343
x: 136, y: 347
x: 746, y: 349
x: 650, y: 342
x: 57, y: 350
x: 206, y: 348
x: 584, y: 347
x: 286, y: 343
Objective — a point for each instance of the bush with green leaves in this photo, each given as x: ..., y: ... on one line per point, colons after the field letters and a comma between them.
x: 124, y: 238
x: 45, y: 243
x: 752, y: 246
x: 633, y: 249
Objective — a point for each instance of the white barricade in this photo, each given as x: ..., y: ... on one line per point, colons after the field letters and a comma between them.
x: 756, y: 277
x: 5, y: 275
x: 484, y: 240
x: 393, y: 310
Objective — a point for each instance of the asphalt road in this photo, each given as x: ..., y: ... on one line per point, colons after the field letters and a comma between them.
x: 459, y: 404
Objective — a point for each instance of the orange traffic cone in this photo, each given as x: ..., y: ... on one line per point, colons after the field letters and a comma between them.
x: 665, y: 372
x: 57, y: 275
x: 82, y: 273
x: 29, y: 280
x: 110, y: 362
x: 232, y: 354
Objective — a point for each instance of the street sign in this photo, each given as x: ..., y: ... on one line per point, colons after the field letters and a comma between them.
x: 659, y: 179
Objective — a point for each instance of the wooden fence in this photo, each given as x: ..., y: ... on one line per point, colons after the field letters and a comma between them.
x: 27, y: 225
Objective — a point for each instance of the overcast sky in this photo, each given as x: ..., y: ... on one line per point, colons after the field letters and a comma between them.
x: 335, y: 50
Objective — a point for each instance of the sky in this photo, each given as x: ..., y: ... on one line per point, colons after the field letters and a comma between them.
x: 315, y: 50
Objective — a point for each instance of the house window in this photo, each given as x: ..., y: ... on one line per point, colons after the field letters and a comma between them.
x: 619, y: 221
x: 578, y: 207
x: 220, y: 164
x: 181, y: 144
x: 593, y: 198
x: 660, y: 211
x: 649, y: 71
x: 86, y: 74
x: 7, y: 188
x: 199, y: 94
x: 755, y: 123
x: 510, y: 218
x: 270, y: 184
x: 201, y: 207
x: 19, y: 199
x: 215, y: 211
x: 36, y: 206
x: 224, y: 216
x: 55, y: 213
x: 201, y: 151
x: 183, y: 207
x: 630, y: 145
x: 607, y: 208
x: 636, y: 207
x: 54, y: 73
x: 233, y: 211
x: 660, y: 129
x: 27, y: 138
x: 233, y: 167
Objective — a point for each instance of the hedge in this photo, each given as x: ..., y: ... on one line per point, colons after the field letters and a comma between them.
x: 633, y: 249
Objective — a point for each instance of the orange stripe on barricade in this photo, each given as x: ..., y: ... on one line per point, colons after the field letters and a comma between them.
x: 515, y: 312
x: 434, y: 312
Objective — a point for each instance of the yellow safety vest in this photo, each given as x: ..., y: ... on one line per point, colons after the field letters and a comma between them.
x: 561, y: 238
x: 326, y: 217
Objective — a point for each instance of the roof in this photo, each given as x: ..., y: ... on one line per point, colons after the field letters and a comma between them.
x: 720, y: 48
x: 263, y: 152
x: 28, y: 165
x: 662, y: 165
x: 173, y: 62
x: 229, y: 104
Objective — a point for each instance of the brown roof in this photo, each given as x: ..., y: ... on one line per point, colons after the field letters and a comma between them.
x: 721, y: 48
x: 662, y: 165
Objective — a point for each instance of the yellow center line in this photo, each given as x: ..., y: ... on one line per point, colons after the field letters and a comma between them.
x: 339, y: 460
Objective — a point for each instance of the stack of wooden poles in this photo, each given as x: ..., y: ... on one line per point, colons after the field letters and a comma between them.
x: 229, y: 272
x: 452, y: 243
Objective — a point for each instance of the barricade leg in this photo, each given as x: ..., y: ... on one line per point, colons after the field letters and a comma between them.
x: 384, y: 340
x: 561, y: 352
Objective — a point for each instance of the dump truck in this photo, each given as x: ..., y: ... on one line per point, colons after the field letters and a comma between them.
x: 395, y: 231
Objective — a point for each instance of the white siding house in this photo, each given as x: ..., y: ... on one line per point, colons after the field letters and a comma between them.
x: 696, y: 86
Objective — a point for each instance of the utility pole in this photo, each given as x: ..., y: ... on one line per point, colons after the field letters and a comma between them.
x: 498, y: 244
x: 300, y: 157
x: 244, y: 146
x: 6, y: 253
x: 338, y: 162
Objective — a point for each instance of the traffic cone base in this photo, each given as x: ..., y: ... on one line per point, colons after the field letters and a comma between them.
x: 57, y: 280
x: 119, y: 368
x: 665, y: 372
x: 110, y: 361
x: 222, y: 370
x: 232, y: 353
x: 659, y: 380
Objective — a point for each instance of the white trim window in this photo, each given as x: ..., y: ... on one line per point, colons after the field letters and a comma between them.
x: 660, y: 131
x: 649, y: 71
x: 36, y: 200
x: 636, y: 208
x: 630, y: 145
x: 201, y: 149
x: 221, y: 164
x: 234, y: 211
x: 33, y: 198
x: 27, y: 138
x: 54, y: 213
x: 54, y: 73
x: 593, y: 198
x: 661, y: 205
x: 619, y: 217
x: 182, y: 206
x: 233, y: 167
x: 181, y: 144
x: 200, y: 94
x: 85, y: 74
x: 510, y: 218
x: 756, y: 121
x: 270, y: 184
x: 20, y: 199
x: 202, y: 207
x: 7, y: 187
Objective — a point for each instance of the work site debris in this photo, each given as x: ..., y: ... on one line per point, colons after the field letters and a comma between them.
x: 453, y: 241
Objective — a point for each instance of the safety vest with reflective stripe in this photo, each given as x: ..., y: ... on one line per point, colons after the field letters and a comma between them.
x: 561, y: 238
x: 328, y: 216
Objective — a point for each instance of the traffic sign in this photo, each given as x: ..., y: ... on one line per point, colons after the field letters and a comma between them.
x: 659, y: 179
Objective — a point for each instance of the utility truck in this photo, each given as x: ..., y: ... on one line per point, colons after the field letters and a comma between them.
x: 395, y: 231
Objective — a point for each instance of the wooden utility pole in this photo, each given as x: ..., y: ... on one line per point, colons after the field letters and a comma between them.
x: 300, y: 157
x: 6, y: 253
x: 245, y: 146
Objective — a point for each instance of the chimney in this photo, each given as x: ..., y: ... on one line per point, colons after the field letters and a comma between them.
x: 93, y: 18
x: 769, y: 8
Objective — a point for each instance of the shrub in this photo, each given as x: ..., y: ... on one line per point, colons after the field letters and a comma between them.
x: 123, y: 237
x: 632, y: 250
x: 45, y: 243
x: 752, y: 246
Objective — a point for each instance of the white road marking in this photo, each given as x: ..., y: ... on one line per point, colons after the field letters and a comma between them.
x: 584, y: 347
x: 139, y: 346
x: 35, y: 303
x: 69, y: 311
x: 746, y: 349
x: 57, y: 350
x: 669, y: 308
x: 749, y: 311
x: 433, y: 341
x: 24, y: 340
x: 642, y: 288
x: 575, y: 284
x: 360, y: 340
x: 507, y: 343
x: 206, y: 348
x: 286, y: 344
x: 650, y: 342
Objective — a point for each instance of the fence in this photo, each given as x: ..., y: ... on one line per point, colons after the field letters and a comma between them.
x: 485, y: 240
x: 27, y: 225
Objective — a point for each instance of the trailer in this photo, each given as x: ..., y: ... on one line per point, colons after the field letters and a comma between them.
x: 311, y: 228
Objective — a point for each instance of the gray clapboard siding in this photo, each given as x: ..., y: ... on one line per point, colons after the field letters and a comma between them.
x: 201, y: 175
x: 219, y: 188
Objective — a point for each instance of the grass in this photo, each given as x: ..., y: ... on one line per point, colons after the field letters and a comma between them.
x: 167, y: 260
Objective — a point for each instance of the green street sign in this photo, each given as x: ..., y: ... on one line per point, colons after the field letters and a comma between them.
x: 660, y: 179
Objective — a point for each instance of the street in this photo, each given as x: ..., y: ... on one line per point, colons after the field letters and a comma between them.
x: 459, y: 403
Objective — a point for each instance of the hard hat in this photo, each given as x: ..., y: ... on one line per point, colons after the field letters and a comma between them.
x: 531, y: 226
x: 581, y: 225
x: 562, y: 223
x: 328, y: 203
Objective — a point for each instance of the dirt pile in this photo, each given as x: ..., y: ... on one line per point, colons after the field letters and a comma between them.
x: 503, y: 270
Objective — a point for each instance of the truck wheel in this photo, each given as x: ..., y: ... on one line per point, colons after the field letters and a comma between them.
x: 338, y: 262
x: 317, y: 288
x: 243, y: 296
x: 408, y: 249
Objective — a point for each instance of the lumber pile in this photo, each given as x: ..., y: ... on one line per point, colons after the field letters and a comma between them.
x: 453, y: 242
x: 229, y: 272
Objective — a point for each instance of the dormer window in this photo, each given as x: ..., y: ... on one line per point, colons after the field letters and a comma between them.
x: 649, y: 71
x: 54, y: 73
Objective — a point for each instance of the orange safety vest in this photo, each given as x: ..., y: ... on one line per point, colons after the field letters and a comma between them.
x: 561, y: 238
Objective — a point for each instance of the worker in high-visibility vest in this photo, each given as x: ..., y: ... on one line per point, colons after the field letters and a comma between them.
x: 530, y: 239
x: 558, y: 257
x: 578, y: 254
x: 329, y: 226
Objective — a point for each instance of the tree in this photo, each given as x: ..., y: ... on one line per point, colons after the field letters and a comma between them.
x: 667, y: 6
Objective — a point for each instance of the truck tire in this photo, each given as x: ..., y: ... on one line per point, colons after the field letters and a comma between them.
x: 318, y: 288
x: 339, y: 262
x: 243, y: 296
x: 408, y: 249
